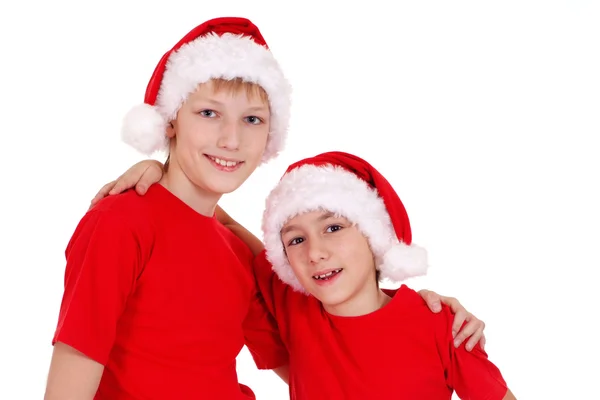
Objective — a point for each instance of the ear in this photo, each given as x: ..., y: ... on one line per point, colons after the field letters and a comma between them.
x: 171, y: 130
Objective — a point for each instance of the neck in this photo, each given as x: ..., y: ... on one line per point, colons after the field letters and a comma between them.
x: 365, y: 301
x: 197, y: 198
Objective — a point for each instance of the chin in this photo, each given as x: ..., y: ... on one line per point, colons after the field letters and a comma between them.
x: 223, y: 187
x: 330, y: 296
x: 224, y: 184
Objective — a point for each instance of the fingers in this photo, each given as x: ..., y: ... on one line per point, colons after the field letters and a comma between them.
x: 104, y: 191
x: 432, y: 299
x: 453, y: 303
x: 460, y: 318
x: 151, y: 175
x: 465, y: 325
x: 460, y: 313
x: 474, y: 339
x: 141, y: 175
x: 131, y: 178
x: 125, y: 181
x: 482, y: 341
x: 473, y: 330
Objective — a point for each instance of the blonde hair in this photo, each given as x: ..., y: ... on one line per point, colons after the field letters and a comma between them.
x: 238, y: 85
x: 234, y: 86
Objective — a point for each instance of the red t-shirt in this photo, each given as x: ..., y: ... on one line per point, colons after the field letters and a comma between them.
x: 165, y: 299
x: 401, y: 351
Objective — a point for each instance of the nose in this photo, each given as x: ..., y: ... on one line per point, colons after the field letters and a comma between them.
x: 317, y: 251
x: 229, y: 137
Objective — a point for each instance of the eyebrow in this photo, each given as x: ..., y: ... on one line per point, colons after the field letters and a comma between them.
x: 323, y: 217
x: 218, y: 103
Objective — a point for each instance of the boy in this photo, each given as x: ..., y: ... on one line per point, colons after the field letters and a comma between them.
x: 333, y: 227
x: 159, y: 296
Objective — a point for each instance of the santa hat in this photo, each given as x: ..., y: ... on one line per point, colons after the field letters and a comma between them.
x: 226, y: 48
x: 350, y: 187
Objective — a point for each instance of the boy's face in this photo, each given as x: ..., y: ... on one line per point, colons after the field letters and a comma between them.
x: 330, y: 257
x: 218, y: 137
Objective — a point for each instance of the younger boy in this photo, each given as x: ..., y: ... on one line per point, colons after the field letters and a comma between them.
x: 159, y: 296
x: 333, y: 227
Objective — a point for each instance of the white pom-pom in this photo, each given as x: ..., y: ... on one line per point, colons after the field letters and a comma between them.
x: 401, y: 262
x: 144, y: 129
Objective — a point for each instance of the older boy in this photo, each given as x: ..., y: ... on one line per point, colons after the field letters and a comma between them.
x: 159, y: 296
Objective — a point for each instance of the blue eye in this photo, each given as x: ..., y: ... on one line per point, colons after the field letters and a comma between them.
x: 254, y: 120
x: 208, y: 113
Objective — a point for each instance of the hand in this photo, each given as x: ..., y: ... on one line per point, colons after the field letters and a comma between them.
x: 473, y: 326
x: 141, y: 175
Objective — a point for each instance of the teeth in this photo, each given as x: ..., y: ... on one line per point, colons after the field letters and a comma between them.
x: 225, y: 163
x: 327, y: 275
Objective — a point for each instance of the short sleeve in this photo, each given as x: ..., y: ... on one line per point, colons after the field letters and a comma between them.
x: 470, y: 373
x: 262, y: 331
x: 262, y: 336
x: 269, y: 293
x: 103, y: 262
x: 272, y: 288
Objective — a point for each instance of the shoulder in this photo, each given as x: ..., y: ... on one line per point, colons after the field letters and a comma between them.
x: 409, y: 303
x: 128, y: 209
x: 262, y: 266
x: 407, y: 299
x: 122, y: 216
x: 269, y: 280
x: 126, y: 205
x: 237, y: 245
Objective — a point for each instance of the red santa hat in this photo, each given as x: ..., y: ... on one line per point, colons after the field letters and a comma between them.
x: 350, y: 187
x: 226, y: 48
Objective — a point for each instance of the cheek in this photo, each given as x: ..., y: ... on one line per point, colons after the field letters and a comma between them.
x: 295, y: 261
x: 193, y: 135
x: 255, y: 142
x: 359, y: 255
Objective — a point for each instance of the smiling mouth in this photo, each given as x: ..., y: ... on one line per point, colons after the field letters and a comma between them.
x: 225, y: 165
x: 328, y: 275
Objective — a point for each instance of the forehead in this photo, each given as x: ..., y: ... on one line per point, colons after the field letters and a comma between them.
x: 307, y: 219
x: 234, y: 87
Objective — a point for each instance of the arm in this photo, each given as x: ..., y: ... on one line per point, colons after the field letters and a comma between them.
x: 73, y: 375
x: 99, y: 275
x: 470, y: 373
x: 141, y: 176
x: 465, y: 325
x: 148, y: 172
x: 475, y: 377
x: 272, y: 291
x: 284, y: 373
x: 263, y: 339
x: 254, y: 243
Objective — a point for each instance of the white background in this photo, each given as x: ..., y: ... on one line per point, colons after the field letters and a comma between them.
x: 484, y: 115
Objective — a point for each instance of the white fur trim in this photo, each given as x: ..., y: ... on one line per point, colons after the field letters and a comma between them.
x: 401, y: 262
x: 144, y: 128
x: 228, y: 57
x: 309, y: 188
